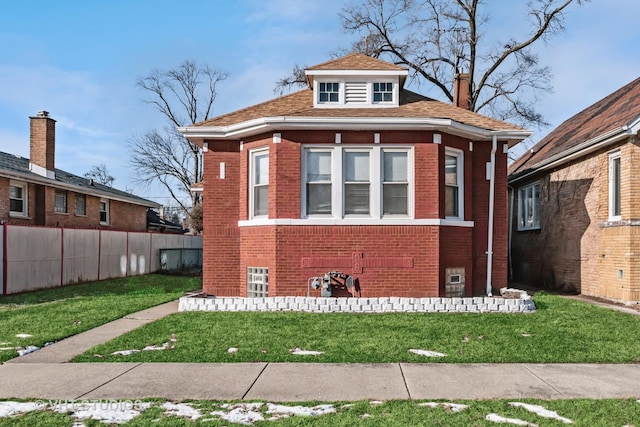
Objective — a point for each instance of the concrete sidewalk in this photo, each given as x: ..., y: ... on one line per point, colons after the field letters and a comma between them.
x: 45, y: 374
x: 290, y: 382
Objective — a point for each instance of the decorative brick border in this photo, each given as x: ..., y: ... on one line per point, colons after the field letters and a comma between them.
x: 360, y: 305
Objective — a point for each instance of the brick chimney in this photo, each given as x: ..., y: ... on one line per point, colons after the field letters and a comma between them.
x: 461, y: 90
x: 43, y: 145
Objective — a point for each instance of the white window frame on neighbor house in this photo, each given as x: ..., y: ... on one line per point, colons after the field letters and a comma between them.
x: 60, y: 203
x: 458, y: 155
x: 24, y: 198
x: 104, y: 203
x: 375, y: 182
x: 615, y: 192
x: 254, y: 185
x: 529, y: 207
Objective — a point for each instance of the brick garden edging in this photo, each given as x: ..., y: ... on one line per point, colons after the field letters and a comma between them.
x: 523, y: 304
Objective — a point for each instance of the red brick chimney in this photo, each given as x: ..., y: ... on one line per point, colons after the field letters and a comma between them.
x: 461, y: 90
x: 43, y: 145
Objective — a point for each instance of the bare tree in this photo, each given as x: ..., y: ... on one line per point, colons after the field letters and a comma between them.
x: 438, y: 39
x: 100, y: 174
x: 184, y: 96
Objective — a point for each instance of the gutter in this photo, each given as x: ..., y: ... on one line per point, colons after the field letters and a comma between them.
x: 492, y: 185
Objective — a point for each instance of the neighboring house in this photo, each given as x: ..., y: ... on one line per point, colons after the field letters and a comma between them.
x: 355, y: 174
x: 576, y: 219
x: 36, y: 193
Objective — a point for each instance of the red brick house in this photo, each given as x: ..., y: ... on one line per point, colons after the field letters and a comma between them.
x: 34, y: 192
x: 576, y: 209
x: 355, y: 174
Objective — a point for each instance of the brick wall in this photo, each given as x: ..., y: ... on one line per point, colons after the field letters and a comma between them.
x: 42, y: 142
x: 577, y: 248
x: 386, y: 260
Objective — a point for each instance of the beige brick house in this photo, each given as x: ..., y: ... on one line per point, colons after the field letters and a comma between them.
x: 576, y: 203
x: 33, y: 192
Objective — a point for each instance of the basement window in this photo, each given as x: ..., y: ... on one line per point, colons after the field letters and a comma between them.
x: 257, y: 282
x: 529, y: 207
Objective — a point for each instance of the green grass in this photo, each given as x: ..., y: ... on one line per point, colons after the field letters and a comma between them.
x: 54, y: 314
x: 401, y: 413
x: 560, y: 331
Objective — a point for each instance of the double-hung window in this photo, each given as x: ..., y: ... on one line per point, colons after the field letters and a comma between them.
x: 318, y: 182
x: 259, y: 188
x: 395, y: 183
x: 351, y: 182
x: 18, y: 199
x: 104, y: 211
x: 329, y: 92
x: 81, y: 204
x: 357, y: 182
x: 529, y: 207
x: 61, y: 201
x: 453, y: 184
x: 615, y: 211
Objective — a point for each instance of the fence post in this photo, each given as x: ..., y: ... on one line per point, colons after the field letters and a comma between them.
x: 4, y: 258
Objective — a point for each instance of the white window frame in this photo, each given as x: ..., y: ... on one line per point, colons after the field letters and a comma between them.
x: 522, y: 199
x: 56, y: 193
x: 409, y: 183
x: 383, y: 92
x: 252, y: 165
x: 344, y: 182
x: 25, y: 199
x: 337, y: 182
x: 107, y: 213
x: 339, y: 92
x: 459, y: 155
x: 615, y: 196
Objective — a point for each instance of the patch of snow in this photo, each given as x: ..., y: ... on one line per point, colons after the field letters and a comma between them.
x: 7, y: 348
x: 453, y: 407
x: 376, y: 402
x: 29, y: 349
x: 24, y: 336
x: 232, y: 350
x: 525, y: 335
x: 301, y: 352
x: 5, y: 343
x: 495, y: 418
x: 9, y: 409
x: 124, y: 352
x: 541, y: 411
x: 304, y: 411
x: 427, y: 353
x: 243, y: 413
x: 363, y: 416
x: 108, y: 412
x: 181, y: 410
x: 164, y: 346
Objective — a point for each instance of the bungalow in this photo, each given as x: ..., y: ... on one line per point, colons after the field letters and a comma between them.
x: 395, y: 193
x: 576, y: 216
x: 34, y: 192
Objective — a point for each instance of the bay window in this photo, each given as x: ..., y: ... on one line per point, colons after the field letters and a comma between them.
x: 356, y: 183
x: 318, y: 182
x: 395, y: 183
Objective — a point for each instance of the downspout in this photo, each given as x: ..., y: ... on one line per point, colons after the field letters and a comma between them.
x: 492, y: 184
x: 512, y: 196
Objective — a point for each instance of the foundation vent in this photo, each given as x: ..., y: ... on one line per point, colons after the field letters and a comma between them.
x: 455, y: 282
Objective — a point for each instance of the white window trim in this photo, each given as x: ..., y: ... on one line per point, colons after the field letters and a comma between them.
x: 459, y: 155
x: 375, y: 179
x: 252, y: 156
x: 25, y: 199
x: 614, y: 156
x: 106, y: 202
x: 536, y: 207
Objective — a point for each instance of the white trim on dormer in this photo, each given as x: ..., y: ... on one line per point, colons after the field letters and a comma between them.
x: 356, y: 92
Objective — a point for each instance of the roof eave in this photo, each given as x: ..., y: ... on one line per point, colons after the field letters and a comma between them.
x: 580, y: 150
x: 32, y: 178
x: 248, y: 128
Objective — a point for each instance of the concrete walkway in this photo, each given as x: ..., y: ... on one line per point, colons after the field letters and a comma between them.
x: 45, y: 374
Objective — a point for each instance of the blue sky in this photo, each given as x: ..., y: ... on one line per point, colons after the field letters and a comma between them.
x: 80, y: 59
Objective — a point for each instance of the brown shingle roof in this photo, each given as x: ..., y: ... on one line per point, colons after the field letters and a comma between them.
x: 357, y: 61
x: 412, y: 105
x: 610, y: 113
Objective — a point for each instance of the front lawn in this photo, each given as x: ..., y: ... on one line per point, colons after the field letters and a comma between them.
x: 560, y: 331
x: 578, y: 412
x: 53, y: 314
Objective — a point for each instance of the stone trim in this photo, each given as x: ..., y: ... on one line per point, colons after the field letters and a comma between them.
x: 360, y: 305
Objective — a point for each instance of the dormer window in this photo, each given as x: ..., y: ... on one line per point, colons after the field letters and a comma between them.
x: 329, y: 92
x: 383, y: 92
